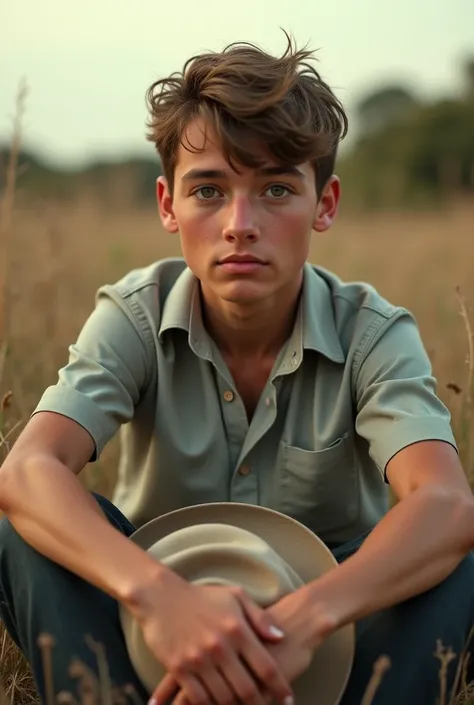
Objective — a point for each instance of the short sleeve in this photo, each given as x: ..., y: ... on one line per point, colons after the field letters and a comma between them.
x: 102, y: 381
x: 396, y: 398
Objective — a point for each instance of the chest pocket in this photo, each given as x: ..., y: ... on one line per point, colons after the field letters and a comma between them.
x: 320, y: 488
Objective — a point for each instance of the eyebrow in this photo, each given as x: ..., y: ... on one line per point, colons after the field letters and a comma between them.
x: 286, y: 170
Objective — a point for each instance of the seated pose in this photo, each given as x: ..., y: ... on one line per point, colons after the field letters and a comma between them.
x: 242, y: 373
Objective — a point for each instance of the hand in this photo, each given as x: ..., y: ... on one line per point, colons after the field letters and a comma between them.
x: 208, y: 638
x: 305, y: 625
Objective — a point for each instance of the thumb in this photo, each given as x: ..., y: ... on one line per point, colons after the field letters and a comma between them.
x: 259, y: 619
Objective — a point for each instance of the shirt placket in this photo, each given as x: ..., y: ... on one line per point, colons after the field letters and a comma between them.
x: 243, y: 438
x: 244, y: 479
x: 235, y: 418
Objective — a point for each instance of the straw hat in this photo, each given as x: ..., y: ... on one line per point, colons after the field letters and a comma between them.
x: 268, y: 554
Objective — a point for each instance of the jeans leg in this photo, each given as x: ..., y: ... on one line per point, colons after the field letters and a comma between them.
x: 407, y: 633
x: 38, y: 596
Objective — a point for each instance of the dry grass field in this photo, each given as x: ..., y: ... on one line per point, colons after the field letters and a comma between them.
x: 57, y: 256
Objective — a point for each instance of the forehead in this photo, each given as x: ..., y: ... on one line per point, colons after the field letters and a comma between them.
x: 200, y: 148
x: 200, y: 143
x: 198, y: 136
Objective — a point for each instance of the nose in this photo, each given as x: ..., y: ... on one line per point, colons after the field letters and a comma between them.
x: 241, y: 222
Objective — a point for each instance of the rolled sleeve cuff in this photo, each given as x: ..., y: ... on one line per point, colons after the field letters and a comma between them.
x: 81, y: 409
x: 408, y: 431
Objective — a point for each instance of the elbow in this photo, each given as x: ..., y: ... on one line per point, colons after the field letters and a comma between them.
x: 456, y: 506
x: 5, y: 487
x: 467, y: 508
x: 12, y: 481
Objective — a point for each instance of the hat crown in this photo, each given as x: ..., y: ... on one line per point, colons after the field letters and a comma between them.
x: 222, y: 554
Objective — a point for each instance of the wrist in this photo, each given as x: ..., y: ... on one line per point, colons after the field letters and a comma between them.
x: 319, y: 615
x: 139, y: 593
x: 342, y: 595
x: 323, y: 618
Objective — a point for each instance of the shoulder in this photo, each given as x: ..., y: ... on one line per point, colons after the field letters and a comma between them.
x: 156, y: 278
x: 361, y: 314
x: 354, y: 297
x: 142, y: 292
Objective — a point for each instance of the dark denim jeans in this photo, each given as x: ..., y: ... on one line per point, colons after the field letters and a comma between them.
x: 38, y: 596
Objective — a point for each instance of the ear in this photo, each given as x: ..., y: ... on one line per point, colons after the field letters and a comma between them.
x: 165, y: 205
x: 328, y: 202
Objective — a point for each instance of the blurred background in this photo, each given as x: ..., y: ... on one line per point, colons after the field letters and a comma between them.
x: 83, y: 211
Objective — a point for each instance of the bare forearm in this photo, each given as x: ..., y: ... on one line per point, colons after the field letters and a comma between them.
x: 414, y: 547
x: 49, y: 508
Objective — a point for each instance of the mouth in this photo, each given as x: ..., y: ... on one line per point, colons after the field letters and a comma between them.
x: 243, y: 258
x: 241, y: 264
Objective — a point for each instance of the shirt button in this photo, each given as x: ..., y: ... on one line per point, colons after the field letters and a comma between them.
x: 228, y: 395
x: 244, y: 470
x: 268, y: 401
x: 294, y: 362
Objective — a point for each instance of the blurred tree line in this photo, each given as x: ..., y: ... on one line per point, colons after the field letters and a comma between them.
x: 118, y: 184
x: 408, y: 152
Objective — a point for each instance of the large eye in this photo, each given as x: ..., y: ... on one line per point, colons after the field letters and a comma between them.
x: 278, y: 191
x: 206, y: 193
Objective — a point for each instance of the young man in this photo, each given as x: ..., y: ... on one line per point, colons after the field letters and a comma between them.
x: 244, y: 374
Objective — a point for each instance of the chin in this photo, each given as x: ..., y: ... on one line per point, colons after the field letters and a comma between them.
x: 242, y: 292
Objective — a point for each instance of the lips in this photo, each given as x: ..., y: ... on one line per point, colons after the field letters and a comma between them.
x: 241, y: 259
x: 241, y: 264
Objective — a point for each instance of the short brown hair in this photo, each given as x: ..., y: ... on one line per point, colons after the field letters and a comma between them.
x: 245, y: 92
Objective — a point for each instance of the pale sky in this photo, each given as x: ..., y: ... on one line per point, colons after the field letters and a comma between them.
x: 89, y: 63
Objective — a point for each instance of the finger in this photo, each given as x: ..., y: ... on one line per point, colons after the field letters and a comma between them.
x: 220, y: 690
x: 243, y: 685
x: 260, y: 620
x: 169, y: 687
x: 266, y: 669
x: 181, y: 699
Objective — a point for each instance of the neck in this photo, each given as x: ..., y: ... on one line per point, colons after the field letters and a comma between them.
x: 256, y: 330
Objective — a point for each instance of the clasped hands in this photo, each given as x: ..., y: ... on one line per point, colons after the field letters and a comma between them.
x: 225, y: 650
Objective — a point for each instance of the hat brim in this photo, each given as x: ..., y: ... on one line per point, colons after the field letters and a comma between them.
x: 325, y: 680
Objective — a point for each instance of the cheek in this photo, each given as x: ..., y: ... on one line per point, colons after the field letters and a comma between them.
x: 197, y: 237
x: 293, y: 234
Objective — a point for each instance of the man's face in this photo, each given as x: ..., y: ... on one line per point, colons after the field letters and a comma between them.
x: 245, y: 235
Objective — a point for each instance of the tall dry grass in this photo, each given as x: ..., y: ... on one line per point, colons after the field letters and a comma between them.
x: 7, y: 204
x: 61, y: 254
x: 53, y: 257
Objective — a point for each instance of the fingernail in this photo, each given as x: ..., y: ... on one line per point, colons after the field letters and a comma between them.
x: 152, y: 701
x: 274, y: 631
x: 289, y: 700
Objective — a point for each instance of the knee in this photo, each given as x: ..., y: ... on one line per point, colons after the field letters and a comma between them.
x: 461, y: 580
x: 10, y: 540
x: 16, y: 555
x: 450, y: 604
x: 11, y: 543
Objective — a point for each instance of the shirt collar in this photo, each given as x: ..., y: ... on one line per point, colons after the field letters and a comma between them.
x: 319, y: 330
x: 315, y: 327
x: 182, y: 310
x: 178, y: 304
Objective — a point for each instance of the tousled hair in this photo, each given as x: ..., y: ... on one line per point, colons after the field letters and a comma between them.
x: 246, y: 95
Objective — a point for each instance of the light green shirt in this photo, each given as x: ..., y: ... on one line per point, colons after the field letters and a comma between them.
x: 352, y: 387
